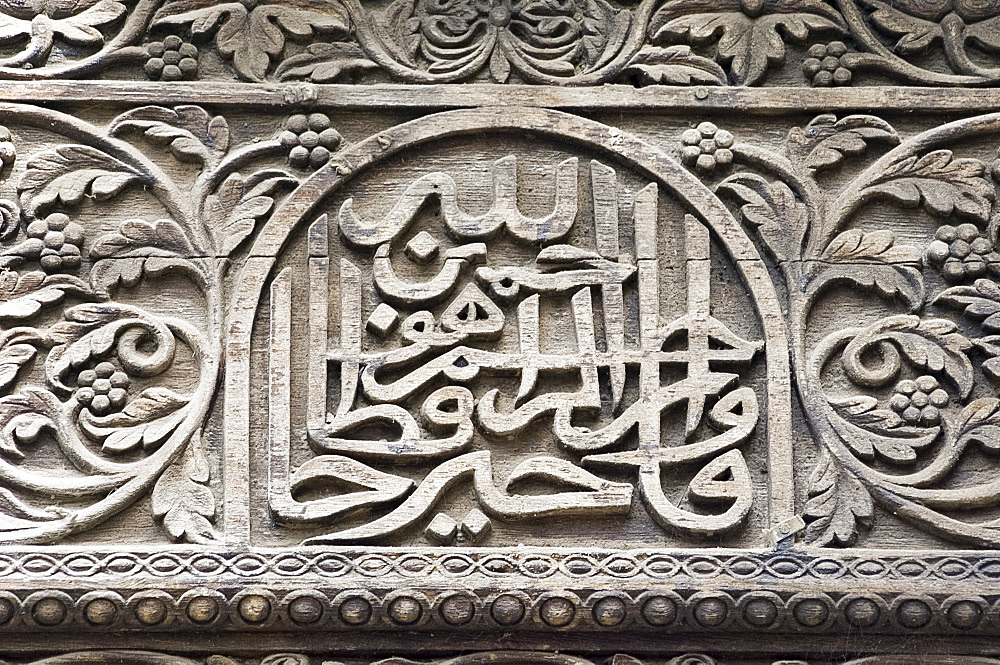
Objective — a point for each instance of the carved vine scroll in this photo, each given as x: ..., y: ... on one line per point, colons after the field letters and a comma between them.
x: 99, y: 399
x: 576, y: 42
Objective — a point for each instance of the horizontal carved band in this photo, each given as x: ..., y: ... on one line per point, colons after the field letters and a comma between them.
x: 578, y: 42
x: 374, y: 608
x: 110, y: 657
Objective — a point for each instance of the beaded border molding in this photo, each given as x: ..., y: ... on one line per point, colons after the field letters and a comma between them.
x: 662, y: 593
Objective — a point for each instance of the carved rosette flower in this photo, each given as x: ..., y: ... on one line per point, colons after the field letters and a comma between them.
x: 310, y: 140
x: 706, y: 147
x: 102, y: 389
x: 827, y: 65
x: 172, y: 59
x: 919, y: 401
x: 58, y: 242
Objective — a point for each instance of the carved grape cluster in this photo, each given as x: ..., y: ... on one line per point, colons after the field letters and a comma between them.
x: 172, y: 59
x: 962, y: 252
x: 919, y: 401
x: 7, y: 150
x: 826, y: 65
x: 102, y: 389
x: 55, y: 241
x: 706, y: 147
x: 310, y: 140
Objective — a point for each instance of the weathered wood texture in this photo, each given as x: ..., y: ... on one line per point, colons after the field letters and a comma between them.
x: 489, y: 331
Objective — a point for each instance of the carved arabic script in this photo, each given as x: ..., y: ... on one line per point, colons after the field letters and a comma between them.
x: 419, y: 371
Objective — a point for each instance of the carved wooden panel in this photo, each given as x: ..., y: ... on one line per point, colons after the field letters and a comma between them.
x: 499, y: 331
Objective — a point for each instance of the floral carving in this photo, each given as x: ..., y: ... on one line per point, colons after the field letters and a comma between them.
x: 561, y: 42
x: 95, y: 383
x: 535, y: 37
x: 750, y: 33
x: 251, y: 33
x: 919, y: 403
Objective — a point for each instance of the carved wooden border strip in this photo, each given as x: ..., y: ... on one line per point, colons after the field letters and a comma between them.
x: 680, y: 42
x: 672, y: 99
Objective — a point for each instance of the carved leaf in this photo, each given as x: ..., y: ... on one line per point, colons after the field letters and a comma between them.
x: 826, y: 142
x: 985, y: 34
x: 107, y: 275
x: 838, y: 506
x: 873, y: 261
x: 685, y: 659
x: 624, y: 659
x: 324, y: 63
x: 81, y: 28
x: 915, y: 35
x: 182, y: 499
x: 11, y: 28
x: 252, y: 38
x: 12, y: 359
x: 979, y: 423
x: 15, y: 513
x: 22, y: 296
x: 931, y: 344
x: 68, y: 173
x: 605, y: 29
x: 23, y: 415
x: 877, y: 245
x: 991, y: 346
x: 239, y: 203
x: 401, y: 28
x: 189, y: 131
x: 674, y: 65
x: 499, y: 67
x: 981, y: 302
x: 868, y: 431
x: 937, y: 346
x: 163, y: 237
x: 147, y: 421
x: 780, y: 218
x: 943, y: 184
x: 749, y: 44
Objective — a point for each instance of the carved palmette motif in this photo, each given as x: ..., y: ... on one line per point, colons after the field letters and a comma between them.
x: 572, y: 42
